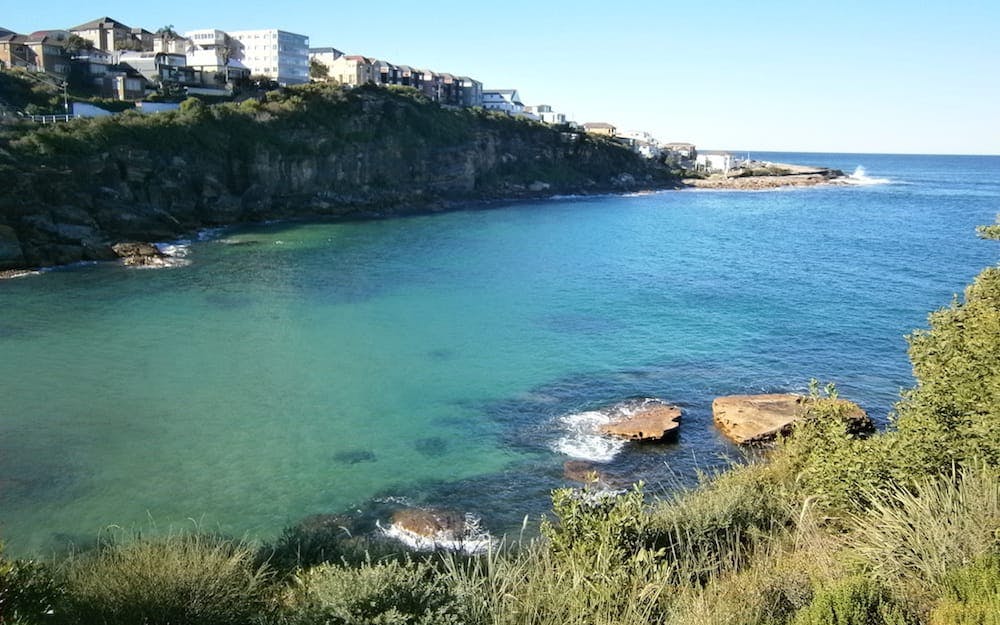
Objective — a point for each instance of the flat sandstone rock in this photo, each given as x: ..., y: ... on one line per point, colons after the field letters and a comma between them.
x: 433, y: 524
x: 649, y: 423
x: 759, y: 418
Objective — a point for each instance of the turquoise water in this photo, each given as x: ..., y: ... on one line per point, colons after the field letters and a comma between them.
x: 298, y: 369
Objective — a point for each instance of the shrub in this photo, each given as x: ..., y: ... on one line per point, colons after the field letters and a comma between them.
x: 719, y: 525
x: 972, y: 595
x: 953, y: 414
x: 854, y: 601
x: 28, y: 592
x: 919, y: 534
x: 175, y: 579
x: 387, y: 593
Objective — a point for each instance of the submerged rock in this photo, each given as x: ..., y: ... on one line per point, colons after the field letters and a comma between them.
x: 135, y: 254
x: 650, y: 422
x: 581, y: 471
x: 759, y: 418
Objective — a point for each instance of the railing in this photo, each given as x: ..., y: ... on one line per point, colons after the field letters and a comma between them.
x: 48, y: 119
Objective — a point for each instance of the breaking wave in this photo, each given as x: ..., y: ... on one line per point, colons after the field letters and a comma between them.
x: 582, y: 438
x: 860, y: 177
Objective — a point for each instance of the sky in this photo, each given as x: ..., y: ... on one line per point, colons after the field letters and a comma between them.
x: 832, y: 76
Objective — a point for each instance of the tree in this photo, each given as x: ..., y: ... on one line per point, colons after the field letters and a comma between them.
x: 167, y: 31
x: 76, y: 44
x: 318, y: 70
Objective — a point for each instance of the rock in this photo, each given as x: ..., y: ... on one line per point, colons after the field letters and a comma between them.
x: 431, y: 523
x: 11, y: 255
x: 760, y: 418
x: 651, y: 422
x: 538, y: 185
x: 135, y: 254
x: 581, y: 471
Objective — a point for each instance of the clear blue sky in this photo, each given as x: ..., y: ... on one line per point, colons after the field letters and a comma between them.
x: 888, y: 76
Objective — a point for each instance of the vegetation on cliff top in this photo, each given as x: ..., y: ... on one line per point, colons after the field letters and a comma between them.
x: 301, y: 119
x: 901, y: 528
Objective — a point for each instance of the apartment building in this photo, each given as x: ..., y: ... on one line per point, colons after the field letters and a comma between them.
x: 277, y: 54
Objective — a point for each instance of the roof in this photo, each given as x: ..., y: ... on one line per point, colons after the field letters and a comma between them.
x: 598, y: 125
x: 502, y: 91
x: 101, y: 22
x: 357, y: 57
x: 326, y: 51
x: 5, y: 31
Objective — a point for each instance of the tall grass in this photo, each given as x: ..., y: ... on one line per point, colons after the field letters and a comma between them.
x: 180, y: 578
x: 919, y: 534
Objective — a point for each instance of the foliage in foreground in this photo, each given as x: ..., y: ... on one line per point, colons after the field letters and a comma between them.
x: 185, y: 578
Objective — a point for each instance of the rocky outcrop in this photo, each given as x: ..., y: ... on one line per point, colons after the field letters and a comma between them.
x: 773, y: 176
x: 70, y: 196
x: 651, y: 422
x: 439, y: 525
x: 140, y: 254
x: 748, y: 419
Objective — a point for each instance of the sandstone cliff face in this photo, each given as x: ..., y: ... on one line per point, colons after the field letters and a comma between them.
x: 76, y: 191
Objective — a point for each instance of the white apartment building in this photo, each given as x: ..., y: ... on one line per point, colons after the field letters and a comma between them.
x: 274, y: 53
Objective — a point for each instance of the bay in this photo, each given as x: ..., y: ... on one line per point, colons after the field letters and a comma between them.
x: 295, y: 369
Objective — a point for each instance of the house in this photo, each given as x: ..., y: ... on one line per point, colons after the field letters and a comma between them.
x: 277, y: 54
x: 682, y: 150
x: 142, y: 39
x: 506, y: 100
x: 385, y: 73
x: 600, y: 128
x: 38, y: 52
x: 160, y: 68
x: 14, y: 51
x: 641, y: 142
x: 326, y: 56
x: 353, y: 70
x: 105, y: 33
x: 545, y: 114
x: 50, y: 52
x: 171, y: 43
x: 714, y: 162
x: 410, y: 77
x: 470, y: 92
x: 212, y: 69
x: 122, y: 83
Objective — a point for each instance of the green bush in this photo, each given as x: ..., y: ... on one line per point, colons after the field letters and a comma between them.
x: 28, y: 592
x: 387, y: 593
x: 175, y: 579
x: 854, y: 601
x: 972, y: 595
x: 953, y: 414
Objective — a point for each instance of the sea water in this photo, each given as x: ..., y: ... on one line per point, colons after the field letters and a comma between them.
x: 458, y: 360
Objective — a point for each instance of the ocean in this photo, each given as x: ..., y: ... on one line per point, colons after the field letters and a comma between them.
x: 458, y: 360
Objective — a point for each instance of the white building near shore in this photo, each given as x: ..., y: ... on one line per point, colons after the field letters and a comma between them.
x: 277, y: 54
x: 715, y: 162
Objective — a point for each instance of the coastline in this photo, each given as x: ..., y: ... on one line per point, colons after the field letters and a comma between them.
x: 770, y: 176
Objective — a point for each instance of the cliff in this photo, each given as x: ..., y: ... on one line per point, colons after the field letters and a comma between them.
x: 312, y: 152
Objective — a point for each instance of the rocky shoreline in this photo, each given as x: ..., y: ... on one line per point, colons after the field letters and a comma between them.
x: 763, y: 176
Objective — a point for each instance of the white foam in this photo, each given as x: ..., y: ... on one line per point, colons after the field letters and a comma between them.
x: 474, y: 540
x: 209, y: 234
x: 583, y: 440
x: 582, y: 437
x: 860, y: 177
x: 177, y: 249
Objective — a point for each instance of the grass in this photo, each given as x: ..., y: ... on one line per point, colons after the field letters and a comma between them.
x: 180, y: 578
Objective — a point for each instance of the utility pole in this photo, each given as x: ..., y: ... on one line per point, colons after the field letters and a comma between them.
x: 65, y: 99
